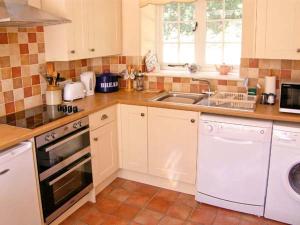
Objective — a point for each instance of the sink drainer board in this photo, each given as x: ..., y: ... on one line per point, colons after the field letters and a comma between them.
x: 235, y: 100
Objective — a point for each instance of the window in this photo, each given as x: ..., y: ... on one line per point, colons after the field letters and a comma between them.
x: 178, y: 39
x: 206, y: 32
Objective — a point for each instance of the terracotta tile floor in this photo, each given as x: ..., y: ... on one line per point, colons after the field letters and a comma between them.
x: 126, y: 202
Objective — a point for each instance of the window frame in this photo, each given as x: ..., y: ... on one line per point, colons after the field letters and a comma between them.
x: 200, y: 39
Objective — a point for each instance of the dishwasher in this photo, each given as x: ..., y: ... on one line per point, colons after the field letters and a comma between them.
x: 233, y: 162
x: 19, y: 202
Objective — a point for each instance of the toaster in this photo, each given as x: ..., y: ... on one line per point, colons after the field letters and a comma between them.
x: 73, y: 91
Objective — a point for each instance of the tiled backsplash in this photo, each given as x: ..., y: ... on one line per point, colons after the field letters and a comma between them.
x: 114, y: 64
x: 22, y: 64
x: 257, y: 69
x: 22, y: 60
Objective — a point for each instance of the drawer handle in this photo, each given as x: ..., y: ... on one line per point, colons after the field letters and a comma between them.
x: 72, y: 51
x: 193, y: 120
x: 95, y: 139
x: 92, y: 49
x: 104, y: 117
x: 4, y: 172
x: 298, y: 50
x: 142, y: 114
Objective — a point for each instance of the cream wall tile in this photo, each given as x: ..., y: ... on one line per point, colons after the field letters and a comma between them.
x: 34, y: 69
x: 177, y: 87
x: 14, y: 49
x: 4, y: 50
x: 7, y: 85
x: 23, y: 38
x: 33, y: 101
x: 15, y: 60
x: 33, y: 48
x: 18, y: 94
x: 25, y: 70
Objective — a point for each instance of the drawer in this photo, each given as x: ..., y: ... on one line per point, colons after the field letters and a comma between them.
x: 103, y: 117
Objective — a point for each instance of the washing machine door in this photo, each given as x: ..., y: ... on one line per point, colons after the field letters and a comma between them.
x: 294, y: 179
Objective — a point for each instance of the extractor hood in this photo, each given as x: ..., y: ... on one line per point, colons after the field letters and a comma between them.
x: 19, y: 13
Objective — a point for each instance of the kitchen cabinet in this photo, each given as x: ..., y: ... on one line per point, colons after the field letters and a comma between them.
x: 95, y: 29
x: 133, y: 135
x: 104, y: 146
x: 278, y: 29
x: 172, y: 144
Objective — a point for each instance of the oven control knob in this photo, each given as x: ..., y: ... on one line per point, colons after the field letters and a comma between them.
x: 48, y: 138
x: 54, y: 135
x: 75, y: 125
x: 79, y: 124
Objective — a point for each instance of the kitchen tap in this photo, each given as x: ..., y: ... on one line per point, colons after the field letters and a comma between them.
x: 204, y: 81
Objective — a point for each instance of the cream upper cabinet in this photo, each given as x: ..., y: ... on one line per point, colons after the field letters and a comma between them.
x: 95, y: 29
x: 133, y: 135
x: 278, y: 29
x: 249, y: 29
x: 172, y: 144
x: 104, y: 145
x: 104, y: 25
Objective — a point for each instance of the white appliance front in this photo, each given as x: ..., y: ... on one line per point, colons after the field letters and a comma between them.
x: 233, y: 161
x: 19, y: 202
x: 283, y: 194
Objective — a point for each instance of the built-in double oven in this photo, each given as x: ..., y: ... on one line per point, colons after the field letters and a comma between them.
x: 64, y: 165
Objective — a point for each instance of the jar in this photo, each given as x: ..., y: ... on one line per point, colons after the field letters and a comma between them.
x: 139, y: 82
x: 53, y: 95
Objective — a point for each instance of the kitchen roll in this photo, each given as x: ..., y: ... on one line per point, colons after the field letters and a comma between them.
x: 270, y: 85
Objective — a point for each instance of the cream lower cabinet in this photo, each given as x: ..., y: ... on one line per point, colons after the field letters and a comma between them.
x: 172, y: 144
x: 133, y: 136
x: 104, y: 147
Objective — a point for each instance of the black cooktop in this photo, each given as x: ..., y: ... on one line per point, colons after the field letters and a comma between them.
x: 38, y: 116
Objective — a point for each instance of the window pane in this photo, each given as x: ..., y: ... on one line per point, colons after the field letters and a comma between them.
x: 186, y: 32
x: 187, y: 11
x: 233, y: 31
x: 213, y: 54
x: 187, y: 53
x: 233, y: 9
x: 232, y: 53
x: 214, y: 9
x: 214, y: 32
x: 171, y: 32
x: 170, y: 53
x: 171, y: 12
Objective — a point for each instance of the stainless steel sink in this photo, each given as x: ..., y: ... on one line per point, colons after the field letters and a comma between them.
x: 179, y: 98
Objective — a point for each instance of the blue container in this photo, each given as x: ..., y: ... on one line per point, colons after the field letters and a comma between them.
x: 106, y: 83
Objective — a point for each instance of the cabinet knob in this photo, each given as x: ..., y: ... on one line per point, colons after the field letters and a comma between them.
x: 95, y: 139
x: 104, y: 117
x: 142, y: 114
x: 92, y: 49
x: 72, y: 51
x: 298, y: 50
x: 193, y: 120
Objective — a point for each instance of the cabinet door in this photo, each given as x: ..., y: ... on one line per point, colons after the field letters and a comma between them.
x: 172, y: 144
x: 61, y: 43
x: 278, y: 29
x: 134, y: 138
x: 104, y: 147
x: 107, y: 27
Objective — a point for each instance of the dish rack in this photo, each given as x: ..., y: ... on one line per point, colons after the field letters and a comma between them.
x: 234, y: 100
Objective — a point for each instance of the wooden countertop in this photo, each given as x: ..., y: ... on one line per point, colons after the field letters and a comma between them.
x: 10, y: 135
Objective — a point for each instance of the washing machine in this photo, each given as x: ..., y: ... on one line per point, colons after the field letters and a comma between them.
x: 283, y: 192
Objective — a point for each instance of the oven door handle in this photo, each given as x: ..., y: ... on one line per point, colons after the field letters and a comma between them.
x: 68, y: 172
x: 66, y: 140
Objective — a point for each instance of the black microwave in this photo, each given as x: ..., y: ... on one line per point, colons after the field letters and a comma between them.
x: 290, y: 97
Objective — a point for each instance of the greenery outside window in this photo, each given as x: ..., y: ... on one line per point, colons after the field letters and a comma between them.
x: 206, y: 32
